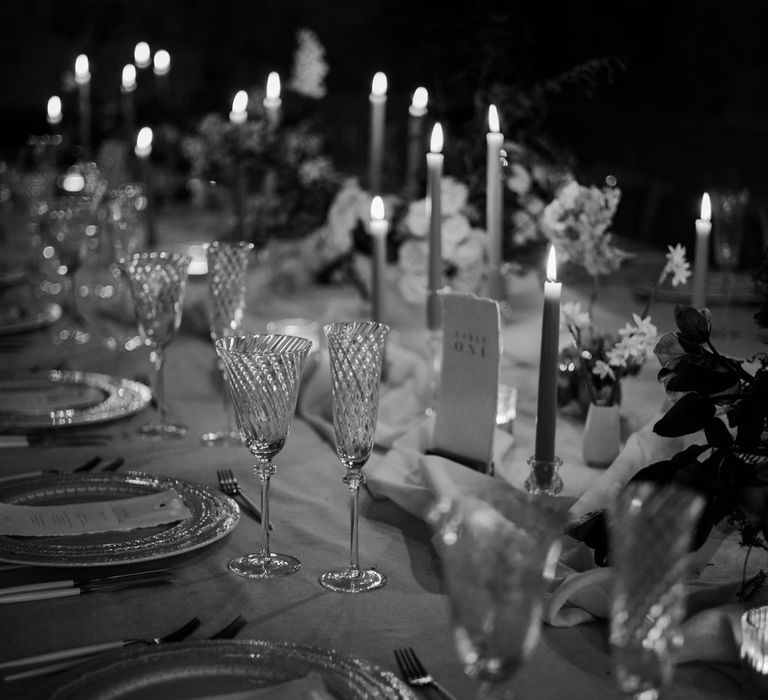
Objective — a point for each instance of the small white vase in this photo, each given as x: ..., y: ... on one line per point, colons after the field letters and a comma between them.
x: 602, y: 435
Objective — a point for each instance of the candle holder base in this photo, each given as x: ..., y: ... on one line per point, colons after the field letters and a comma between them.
x: 544, y: 479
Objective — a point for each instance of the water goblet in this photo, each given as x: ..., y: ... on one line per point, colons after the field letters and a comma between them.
x: 157, y: 282
x: 356, y: 352
x: 69, y: 220
x: 263, y: 373
x: 498, y: 555
x: 227, y: 268
x: 650, y: 528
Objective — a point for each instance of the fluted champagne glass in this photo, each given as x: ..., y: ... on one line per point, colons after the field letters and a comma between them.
x: 157, y: 282
x: 499, y: 554
x: 356, y: 352
x: 227, y: 269
x: 263, y: 373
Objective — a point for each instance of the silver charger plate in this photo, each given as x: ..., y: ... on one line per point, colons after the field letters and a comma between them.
x: 208, y: 669
x: 213, y: 516
x: 93, y: 398
x: 29, y: 320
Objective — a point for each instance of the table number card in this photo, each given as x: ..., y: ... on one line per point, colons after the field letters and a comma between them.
x: 469, y: 380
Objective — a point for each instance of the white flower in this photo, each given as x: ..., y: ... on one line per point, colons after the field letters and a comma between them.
x: 309, y: 65
x: 603, y: 370
x: 519, y: 180
x: 470, y: 252
x: 453, y: 196
x: 676, y: 265
x: 455, y: 230
x: 571, y: 316
x: 346, y: 211
x: 416, y: 220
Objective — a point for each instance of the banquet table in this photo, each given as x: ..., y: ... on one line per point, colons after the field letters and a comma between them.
x: 309, y: 510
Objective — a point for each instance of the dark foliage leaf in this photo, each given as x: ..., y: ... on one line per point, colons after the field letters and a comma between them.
x: 717, y: 433
x: 695, y: 325
x: 689, y: 414
x: 706, y: 374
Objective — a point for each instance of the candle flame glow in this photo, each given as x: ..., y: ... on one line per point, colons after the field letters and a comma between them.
x: 82, y: 74
x: 273, y: 86
x: 377, y: 208
x: 436, y: 140
x: 552, y: 265
x: 420, y: 98
x: 493, y: 119
x: 54, y: 109
x: 706, y: 207
x: 141, y: 54
x: 240, y: 103
x: 129, y: 77
x: 379, y: 84
x: 162, y: 62
x: 144, y: 141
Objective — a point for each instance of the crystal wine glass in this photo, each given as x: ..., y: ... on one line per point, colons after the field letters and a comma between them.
x: 727, y: 236
x: 498, y: 555
x: 356, y: 351
x: 227, y: 268
x: 68, y: 221
x: 157, y: 281
x: 263, y: 373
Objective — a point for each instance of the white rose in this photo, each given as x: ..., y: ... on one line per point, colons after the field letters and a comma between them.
x: 455, y: 230
x: 453, y: 196
x: 344, y: 212
x: 412, y: 257
x: 416, y: 220
x: 519, y: 181
x: 471, y: 251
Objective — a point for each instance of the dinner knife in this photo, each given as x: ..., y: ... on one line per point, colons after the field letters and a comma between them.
x: 86, y: 466
x: 74, y: 583
x: 52, y: 593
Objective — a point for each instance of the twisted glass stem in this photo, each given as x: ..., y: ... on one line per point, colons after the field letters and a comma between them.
x: 353, y: 479
x: 157, y: 358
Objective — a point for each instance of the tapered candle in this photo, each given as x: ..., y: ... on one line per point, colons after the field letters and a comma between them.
x: 161, y: 67
x: 142, y: 55
x: 378, y: 100
x: 272, y: 100
x: 434, y: 183
x: 493, y: 203
x: 143, y: 150
x: 378, y: 227
x: 127, y: 89
x: 238, y: 116
x: 53, y: 111
x: 83, y: 80
x: 546, y: 410
x: 700, y: 261
x: 416, y: 112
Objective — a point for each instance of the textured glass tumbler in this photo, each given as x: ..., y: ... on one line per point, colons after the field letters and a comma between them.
x: 356, y: 352
x: 227, y: 270
x: 650, y: 532
x: 157, y: 282
x: 498, y: 556
x: 263, y: 373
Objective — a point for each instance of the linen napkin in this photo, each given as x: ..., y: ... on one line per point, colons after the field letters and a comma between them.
x: 92, y: 517
x: 403, y: 400
x: 310, y: 687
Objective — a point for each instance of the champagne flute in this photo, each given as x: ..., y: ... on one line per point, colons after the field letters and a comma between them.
x: 263, y: 373
x: 227, y: 268
x: 498, y: 555
x: 356, y: 351
x: 728, y: 233
x: 157, y: 281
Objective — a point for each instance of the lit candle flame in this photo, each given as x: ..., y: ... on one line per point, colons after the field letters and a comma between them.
x: 379, y: 85
x: 82, y: 73
x: 273, y: 86
x: 54, y: 109
x: 129, y: 77
x: 552, y: 265
x: 144, y: 142
x: 162, y: 62
x: 493, y: 119
x: 420, y: 98
x: 141, y: 54
x: 706, y: 207
x: 436, y: 140
x: 240, y: 103
x: 377, y: 209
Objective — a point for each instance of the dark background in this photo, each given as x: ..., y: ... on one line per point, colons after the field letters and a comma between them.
x: 671, y: 98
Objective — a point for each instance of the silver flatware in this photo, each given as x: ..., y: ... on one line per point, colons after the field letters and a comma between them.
x: 85, y: 467
x: 229, y: 485
x: 73, y: 583
x: 415, y: 674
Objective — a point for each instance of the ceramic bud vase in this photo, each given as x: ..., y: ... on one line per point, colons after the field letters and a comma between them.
x: 602, y: 435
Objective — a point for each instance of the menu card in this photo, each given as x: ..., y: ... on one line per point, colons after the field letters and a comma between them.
x: 91, y: 517
x: 469, y: 381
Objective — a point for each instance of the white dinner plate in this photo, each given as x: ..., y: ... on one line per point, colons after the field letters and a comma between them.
x: 213, y: 669
x: 213, y: 515
x: 16, y: 319
x: 62, y: 398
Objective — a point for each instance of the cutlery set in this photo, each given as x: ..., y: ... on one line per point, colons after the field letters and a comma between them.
x: 229, y: 485
x: 91, y: 464
x: 64, y: 659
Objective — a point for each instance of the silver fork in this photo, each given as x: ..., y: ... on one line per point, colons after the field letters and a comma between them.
x: 228, y: 484
x: 415, y: 674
